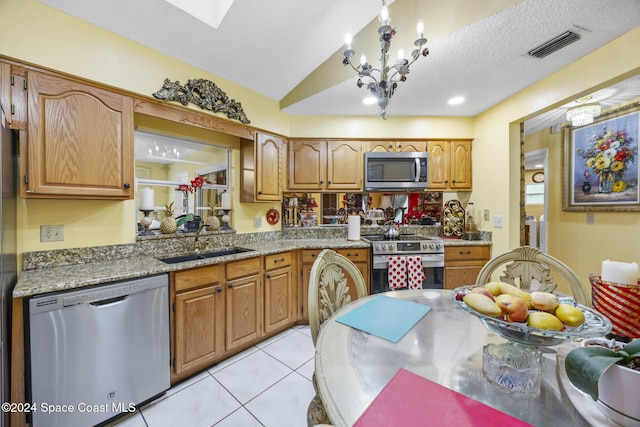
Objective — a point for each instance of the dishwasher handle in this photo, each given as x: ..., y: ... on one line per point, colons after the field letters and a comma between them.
x: 109, y: 301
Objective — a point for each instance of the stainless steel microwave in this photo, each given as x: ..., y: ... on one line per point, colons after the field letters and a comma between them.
x: 395, y: 171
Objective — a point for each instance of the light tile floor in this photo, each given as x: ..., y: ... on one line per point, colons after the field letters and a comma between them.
x: 268, y: 385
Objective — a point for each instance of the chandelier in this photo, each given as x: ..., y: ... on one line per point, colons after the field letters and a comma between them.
x: 382, y: 82
x: 583, y: 114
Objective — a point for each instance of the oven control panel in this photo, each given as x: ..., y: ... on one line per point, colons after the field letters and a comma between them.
x: 404, y: 247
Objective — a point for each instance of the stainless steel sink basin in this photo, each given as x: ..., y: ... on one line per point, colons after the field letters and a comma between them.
x: 205, y: 255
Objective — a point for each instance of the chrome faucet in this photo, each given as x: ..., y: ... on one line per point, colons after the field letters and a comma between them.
x: 196, y: 246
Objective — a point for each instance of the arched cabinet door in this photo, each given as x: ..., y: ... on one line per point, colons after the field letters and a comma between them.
x: 80, y: 140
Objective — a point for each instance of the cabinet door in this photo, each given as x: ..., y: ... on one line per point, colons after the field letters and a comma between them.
x: 278, y: 300
x: 243, y: 311
x: 411, y: 146
x: 80, y: 140
x: 268, y: 166
x: 379, y: 146
x: 199, y: 322
x: 460, y: 161
x: 438, y: 165
x: 459, y: 275
x: 307, y: 164
x: 344, y: 165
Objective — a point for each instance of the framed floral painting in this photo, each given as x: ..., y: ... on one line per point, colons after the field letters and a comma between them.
x: 600, y: 163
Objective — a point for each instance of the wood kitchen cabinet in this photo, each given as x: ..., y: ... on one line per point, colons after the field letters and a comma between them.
x: 449, y: 165
x: 359, y: 256
x: 13, y: 95
x: 197, y: 319
x: 280, y: 293
x: 80, y: 141
x: 395, y: 146
x: 262, y: 171
x: 319, y: 165
x: 244, y: 302
x: 463, y: 263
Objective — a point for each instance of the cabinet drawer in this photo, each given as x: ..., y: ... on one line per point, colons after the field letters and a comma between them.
x: 197, y: 277
x: 355, y: 255
x: 277, y: 260
x: 310, y: 255
x: 463, y: 253
x: 243, y: 268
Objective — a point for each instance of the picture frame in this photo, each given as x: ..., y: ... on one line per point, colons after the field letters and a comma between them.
x: 600, y: 170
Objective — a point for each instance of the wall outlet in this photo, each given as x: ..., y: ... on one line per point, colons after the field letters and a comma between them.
x: 487, y: 215
x: 257, y: 222
x: 497, y: 221
x: 51, y: 233
x: 591, y: 219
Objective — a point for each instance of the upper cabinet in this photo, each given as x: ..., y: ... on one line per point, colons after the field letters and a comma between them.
x: 80, y: 141
x: 396, y: 146
x: 13, y: 95
x: 262, y: 172
x: 449, y: 165
x: 325, y: 165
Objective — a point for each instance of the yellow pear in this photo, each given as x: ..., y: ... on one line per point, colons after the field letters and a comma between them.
x: 570, y: 315
x: 544, y: 320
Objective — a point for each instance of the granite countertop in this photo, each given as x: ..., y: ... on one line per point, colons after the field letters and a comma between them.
x: 52, y: 271
x: 65, y: 277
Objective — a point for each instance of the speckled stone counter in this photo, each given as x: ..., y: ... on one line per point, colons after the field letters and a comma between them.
x: 52, y: 271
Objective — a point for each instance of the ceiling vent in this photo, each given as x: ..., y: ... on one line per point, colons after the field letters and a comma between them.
x: 555, y: 44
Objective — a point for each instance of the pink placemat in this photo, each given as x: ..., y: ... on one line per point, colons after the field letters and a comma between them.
x: 409, y: 400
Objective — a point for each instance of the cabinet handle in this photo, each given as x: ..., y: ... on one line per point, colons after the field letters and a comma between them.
x: 321, y: 182
x: 446, y: 181
x: 278, y: 260
x: 465, y: 253
x: 453, y: 182
x: 259, y: 192
x: 268, y: 275
x: 127, y: 185
x: 390, y: 145
x: 328, y: 182
x: 230, y: 286
x: 219, y: 290
x: 352, y: 255
x: 400, y: 146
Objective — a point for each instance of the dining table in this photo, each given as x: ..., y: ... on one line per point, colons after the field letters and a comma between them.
x: 445, y: 346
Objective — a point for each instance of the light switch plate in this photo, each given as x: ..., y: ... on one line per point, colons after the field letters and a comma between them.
x: 497, y: 221
x: 51, y: 233
x: 257, y: 222
x: 487, y: 215
x: 590, y: 219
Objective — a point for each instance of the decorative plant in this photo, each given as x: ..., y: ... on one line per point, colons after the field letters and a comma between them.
x: 585, y: 365
x: 191, y: 188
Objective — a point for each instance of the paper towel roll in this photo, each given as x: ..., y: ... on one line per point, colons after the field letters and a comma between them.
x: 619, y: 272
x: 353, y: 228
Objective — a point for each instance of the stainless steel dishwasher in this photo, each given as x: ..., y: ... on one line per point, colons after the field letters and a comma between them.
x: 98, y: 352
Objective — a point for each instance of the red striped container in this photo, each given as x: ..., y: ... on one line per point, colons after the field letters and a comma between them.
x: 620, y: 303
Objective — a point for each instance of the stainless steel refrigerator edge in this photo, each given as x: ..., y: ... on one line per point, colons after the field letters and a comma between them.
x: 8, y: 264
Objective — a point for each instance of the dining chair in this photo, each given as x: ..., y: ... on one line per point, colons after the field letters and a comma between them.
x: 328, y: 292
x: 524, y: 266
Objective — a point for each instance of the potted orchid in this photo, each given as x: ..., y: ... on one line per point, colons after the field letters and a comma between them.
x: 191, y: 219
x: 608, y: 371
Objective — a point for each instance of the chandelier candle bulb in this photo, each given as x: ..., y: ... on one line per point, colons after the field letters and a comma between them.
x: 619, y: 272
x: 420, y: 28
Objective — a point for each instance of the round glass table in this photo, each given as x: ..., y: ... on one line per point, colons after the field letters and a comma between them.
x: 445, y: 346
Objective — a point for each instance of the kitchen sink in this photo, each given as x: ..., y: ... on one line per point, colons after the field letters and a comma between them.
x: 205, y: 255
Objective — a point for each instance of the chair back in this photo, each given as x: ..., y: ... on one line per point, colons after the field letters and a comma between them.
x: 328, y: 289
x: 526, y: 264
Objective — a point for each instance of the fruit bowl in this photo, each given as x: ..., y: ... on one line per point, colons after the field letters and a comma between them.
x: 595, y: 325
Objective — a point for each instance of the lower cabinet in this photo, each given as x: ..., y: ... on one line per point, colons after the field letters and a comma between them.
x: 463, y: 263
x: 280, y: 294
x: 198, y: 319
x: 359, y: 256
x: 244, y: 302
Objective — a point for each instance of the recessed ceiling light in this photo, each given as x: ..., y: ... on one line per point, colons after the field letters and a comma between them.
x: 456, y: 100
x: 369, y: 100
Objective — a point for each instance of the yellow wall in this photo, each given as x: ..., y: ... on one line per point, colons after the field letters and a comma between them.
x: 48, y: 38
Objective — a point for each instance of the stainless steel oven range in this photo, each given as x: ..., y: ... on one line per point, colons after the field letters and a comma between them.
x: 430, y: 249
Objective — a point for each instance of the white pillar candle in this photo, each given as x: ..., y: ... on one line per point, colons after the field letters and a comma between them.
x: 146, y: 199
x: 619, y: 272
x: 226, y: 200
x: 353, y: 228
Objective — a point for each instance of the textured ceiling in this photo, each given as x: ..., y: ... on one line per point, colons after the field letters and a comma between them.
x: 289, y: 47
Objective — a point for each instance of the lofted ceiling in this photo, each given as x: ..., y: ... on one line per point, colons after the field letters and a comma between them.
x: 291, y: 50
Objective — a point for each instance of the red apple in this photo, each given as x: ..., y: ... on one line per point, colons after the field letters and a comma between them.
x: 483, y: 291
x: 514, y: 307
